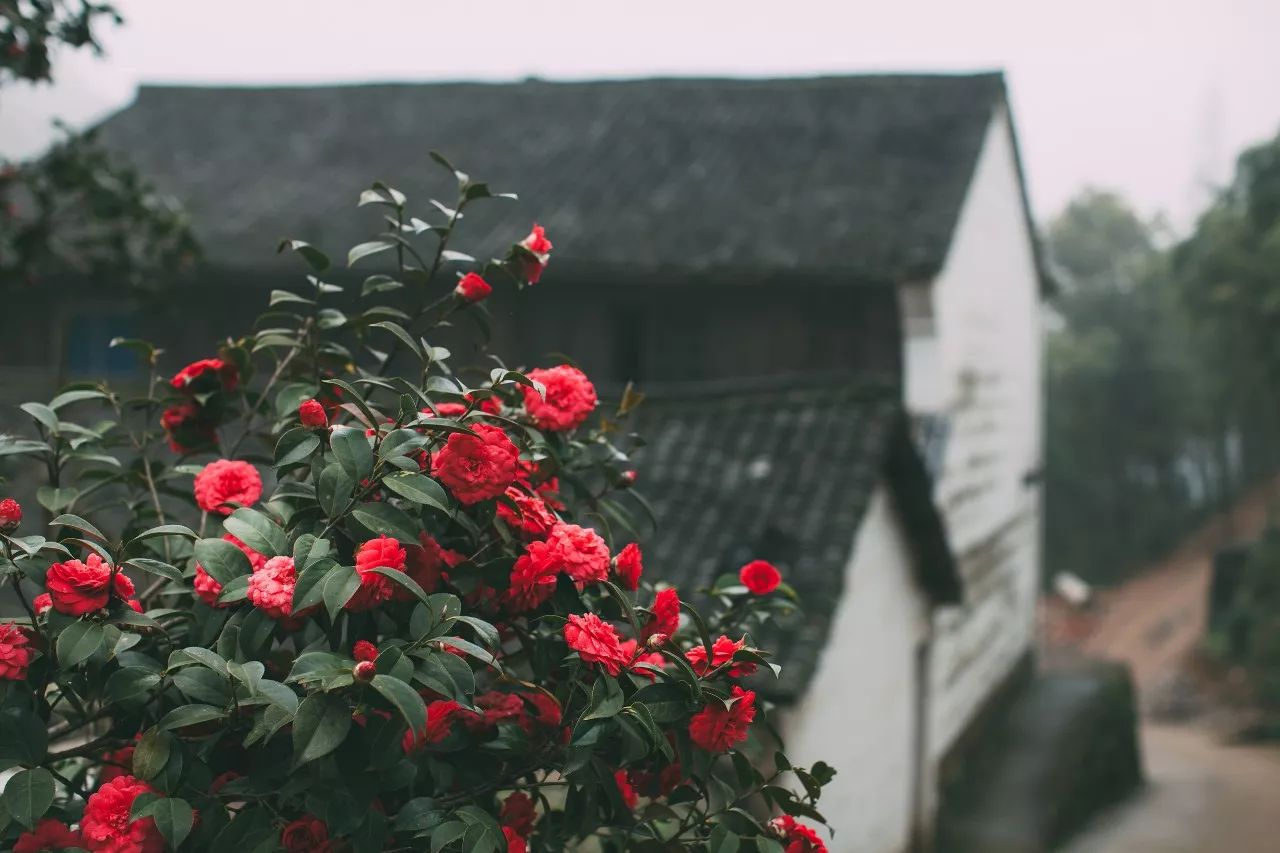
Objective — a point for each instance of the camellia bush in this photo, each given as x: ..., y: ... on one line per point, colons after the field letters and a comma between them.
x: 321, y: 592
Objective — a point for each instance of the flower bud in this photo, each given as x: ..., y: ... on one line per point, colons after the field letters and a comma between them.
x: 472, y: 288
x: 656, y: 641
x: 627, y: 479
x: 312, y: 414
x: 365, y: 670
x: 10, y: 514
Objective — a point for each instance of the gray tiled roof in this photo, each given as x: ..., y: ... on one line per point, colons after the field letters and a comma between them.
x: 782, y: 473
x: 863, y: 174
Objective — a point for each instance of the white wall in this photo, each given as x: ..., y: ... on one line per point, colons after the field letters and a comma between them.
x: 858, y: 713
x: 988, y: 384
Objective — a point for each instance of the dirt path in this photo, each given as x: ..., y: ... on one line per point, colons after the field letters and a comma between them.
x: 1202, y: 795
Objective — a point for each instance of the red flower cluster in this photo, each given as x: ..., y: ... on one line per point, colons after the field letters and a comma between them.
x: 625, y: 789
x: 479, y: 467
x: 105, y: 825
x: 533, y: 579
x: 77, y: 588
x: 579, y: 552
x: 596, y: 641
x: 10, y: 514
x: 226, y: 480
x: 271, y: 587
x: 364, y: 651
x: 529, y: 515
x: 440, y: 717
x: 760, y: 577
x: 311, y: 413
x: 518, y: 813
x: 797, y: 837
x: 48, y: 835
x: 376, y: 588
x: 629, y: 566
x: 15, y: 652
x: 472, y: 288
x: 491, y: 405
x: 207, y: 587
x: 192, y: 424
x: 570, y: 398
x: 307, y: 834
x: 426, y: 562
x: 722, y: 651
x: 187, y: 428
x: 717, y: 729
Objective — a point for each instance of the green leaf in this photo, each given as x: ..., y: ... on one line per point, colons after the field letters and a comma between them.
x: 78, y: 641
x: 334, y: 489
x: 418, y: 815
x: 131, y: 685
x: 351, y: 449
x: 379, y: 284
x: 151, y: 753
x: 445, y: 834
x: 295, y: 446
x: 317, y: 259
x: 321, y: 724
x: 28, y: 795
x: 283, y: 296
x: 206, y: 657
x: 723, y: 841
x: 308, y: 590
x: 155, y: 567
x: 403, y: 336
x: 190, y: 715
x: 173, y: 817
x: 279, y: 695
x: 165, y: 530
x: 56, y: 500
x: 399, y: 442
x: 339, y: 585
x: 66, y: 398
x: 257, y: 531
x: 405, y: 581
x: 419, y: 489
x: 364, y: 250
x: 222, y: 560
x: 42, y: 415
x: 606, y: 699
x: 405, y: 699
x: 382, y: 518
x: 77, y: 523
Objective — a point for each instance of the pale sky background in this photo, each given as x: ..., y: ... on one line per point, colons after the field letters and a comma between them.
x: 1154, y: 99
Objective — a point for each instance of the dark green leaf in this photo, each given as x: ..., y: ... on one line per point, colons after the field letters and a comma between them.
x: 257, y: 531
x: 385, y: 519
x: 405, y: 699
x: 78, y: 523
x: 351, y: 449
x: 222, y: 560
x: 317, y: 259
x: 295, y: 446
x: 151, y: 753
x: 28, y: 795
x: 364, y: 250
x: 78, y: 641
x: 321, y: 724
x: 190, y: 715
x: 173, y: 817
x: 419, y: 489
x: 339, y: 585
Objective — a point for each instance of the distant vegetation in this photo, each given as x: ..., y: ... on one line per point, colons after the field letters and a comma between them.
x: 1163, y: 370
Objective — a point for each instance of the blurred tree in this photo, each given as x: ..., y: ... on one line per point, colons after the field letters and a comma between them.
x: 1124, y: 427
x: 78, y: 208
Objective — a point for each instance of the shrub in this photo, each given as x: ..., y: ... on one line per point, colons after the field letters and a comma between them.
x: 388, y: 614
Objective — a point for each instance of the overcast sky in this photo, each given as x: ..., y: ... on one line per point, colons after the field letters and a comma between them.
x: 1151, y: 98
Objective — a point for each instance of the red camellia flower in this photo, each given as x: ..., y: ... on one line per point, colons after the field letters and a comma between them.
x: 376, y: 588
x: 10, y: 514
x: 271, y: 587
x: 626, y: 789
x: 760, y: 577
x: 440, y: 717
x: 717, y: 729
x: 666, y: 614
x: 425, y: 563
x: 579, y: 552
x: 570, y: 398
x: 207, y: 587
x: 312, y: 414
x: 515, y: 843
x: 479, y: 467
x: 78, y: 588
x: 491, y: 404
x: 106, y: 825
x: 596, y: 641
x: 42, y: 602
x: 722, y: 651
x: 206, y: 375
x: 629, y: 566
x: 637, y: 655
x: 537, y: 252
x: 797, y: 837
x: 472, y: 288
x: 530, y: 514
x: 518, y: 813
x: 307, y: 834
x: 533, y: 578
x: 48, y: 835
x: 15, y: 656
x: 227, y: 480
x: 364, y: 650
x: 187, y: 429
